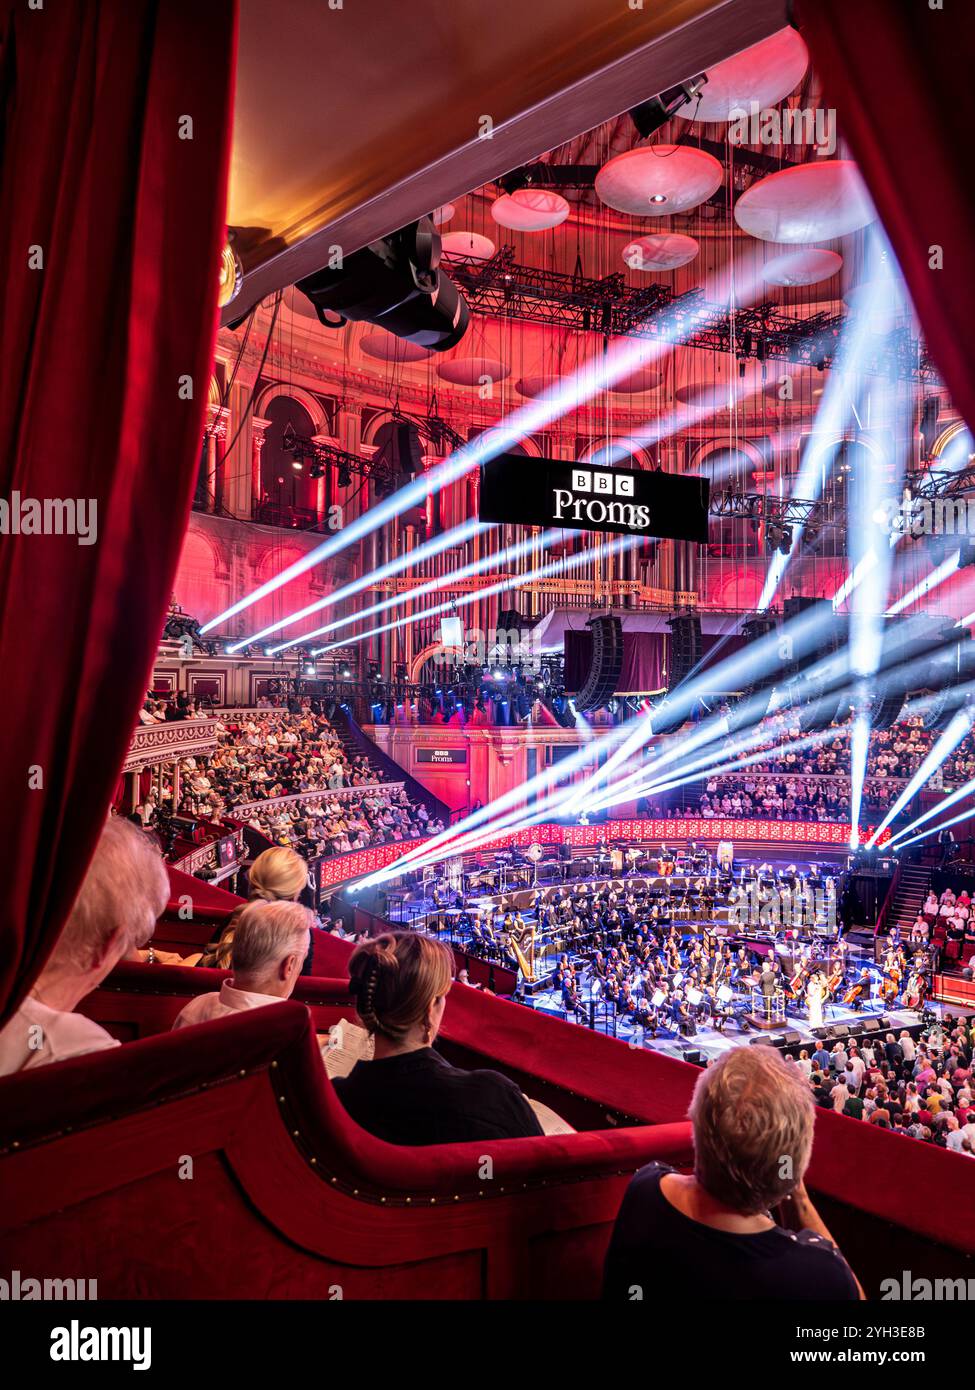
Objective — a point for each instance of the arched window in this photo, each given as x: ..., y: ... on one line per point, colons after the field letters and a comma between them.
x: 730, y: 470
x: 288, y: 492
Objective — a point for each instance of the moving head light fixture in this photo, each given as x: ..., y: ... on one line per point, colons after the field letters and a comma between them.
x: 397, y: 284
x: 651, y: 115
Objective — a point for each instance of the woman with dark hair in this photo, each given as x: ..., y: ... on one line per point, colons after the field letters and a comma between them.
x: 408, y: 1093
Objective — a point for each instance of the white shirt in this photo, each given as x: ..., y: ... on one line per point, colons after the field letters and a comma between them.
x: 217, y: 1005
x: 955, y: 1140
x: 37, y: 1035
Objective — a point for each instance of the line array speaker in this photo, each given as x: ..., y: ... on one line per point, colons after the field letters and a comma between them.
x: 607, y: 662
x: 685, y: 648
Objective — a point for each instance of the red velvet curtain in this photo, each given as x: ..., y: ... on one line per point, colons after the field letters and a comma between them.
x: 896, y: 70
x: 111, y: 226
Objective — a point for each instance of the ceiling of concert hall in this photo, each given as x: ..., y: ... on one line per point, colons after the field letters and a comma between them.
x: 329, y: 147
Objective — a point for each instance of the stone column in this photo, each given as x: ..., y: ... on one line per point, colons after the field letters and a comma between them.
x: 259, y: 429
x: 216, y: 438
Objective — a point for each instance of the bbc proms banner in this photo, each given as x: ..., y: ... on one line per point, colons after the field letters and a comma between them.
x: 556, y: 492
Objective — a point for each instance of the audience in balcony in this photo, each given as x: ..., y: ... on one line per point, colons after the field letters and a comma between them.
x: 282, y: 754
x: 712, y: 1230
x: 409, y: 1094
x: 268, y: 948
x: 790, y: 782
x: 123, y: 894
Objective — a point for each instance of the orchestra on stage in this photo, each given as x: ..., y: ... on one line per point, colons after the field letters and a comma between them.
x: 674, y: 941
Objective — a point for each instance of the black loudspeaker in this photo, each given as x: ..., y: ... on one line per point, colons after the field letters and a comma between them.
x: 929, y: 422
x: 763, y: 1039
x: 821, y: 1033
x: 792, y: 1037
x: 884, y: 1023
x: 695, y: 1056
x: 685, y: 648
x: 607, y: 662
x: 407, y: 451
x: 796, y: 604
x: 839, y: 1030
x: 857, y: 1026
x: 885, y: 711
x: 819, y: 709
x: 510, y: 620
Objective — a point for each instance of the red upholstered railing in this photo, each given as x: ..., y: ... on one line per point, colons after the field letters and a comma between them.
x: 285, y: 1195
x: 283, y: 1175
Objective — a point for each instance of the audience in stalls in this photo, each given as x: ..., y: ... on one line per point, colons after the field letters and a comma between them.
x: 922, y: 1090
x: 123, y: 894
x: 268, y: 948
x: 408, y: 1093
x: 713, y: 1229
x: 281, y: 754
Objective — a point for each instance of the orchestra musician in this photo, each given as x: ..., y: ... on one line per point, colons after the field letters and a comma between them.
x: 859, y: 991
x: 915, y: 991
x: 768, y: 983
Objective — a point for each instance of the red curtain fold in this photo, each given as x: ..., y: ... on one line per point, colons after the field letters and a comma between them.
x: 642, y: 671
x: 907, y: 109
x: 111, y: 226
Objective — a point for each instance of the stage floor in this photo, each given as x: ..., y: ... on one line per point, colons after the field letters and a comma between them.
x: 712, y: 1043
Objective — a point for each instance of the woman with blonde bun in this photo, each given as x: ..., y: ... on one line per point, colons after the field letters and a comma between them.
x: 410, y: 1094
x: 276, y: 875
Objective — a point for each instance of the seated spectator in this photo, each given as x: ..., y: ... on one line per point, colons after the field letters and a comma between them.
x: 124, y: 891
x: 409, y: 1094
x: 267, y: 951
x: 712, y: 1231
x: 276, y: 875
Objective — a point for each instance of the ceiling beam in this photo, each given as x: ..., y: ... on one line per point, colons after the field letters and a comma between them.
x: 659, y: 47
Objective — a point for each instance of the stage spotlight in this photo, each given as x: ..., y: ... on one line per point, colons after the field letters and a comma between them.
x: 651, y: 115
x: 345, y: 673
x: 396, y: 283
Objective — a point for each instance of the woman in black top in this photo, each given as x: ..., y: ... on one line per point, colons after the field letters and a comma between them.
x: 409, y: 1094
x: 712, y: 1231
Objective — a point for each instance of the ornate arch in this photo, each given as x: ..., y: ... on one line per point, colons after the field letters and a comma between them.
x: 530, y: 446
x: 742, y: 446
x: 949, y: 433
x: 634, y: 449
x: 304, y: 398
x: 381, y: 417
x: 218, y: 548
x: 422, y: 657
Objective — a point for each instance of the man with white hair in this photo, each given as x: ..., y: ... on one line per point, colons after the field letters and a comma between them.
x: 270, y: 944
x: 124, y: 892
